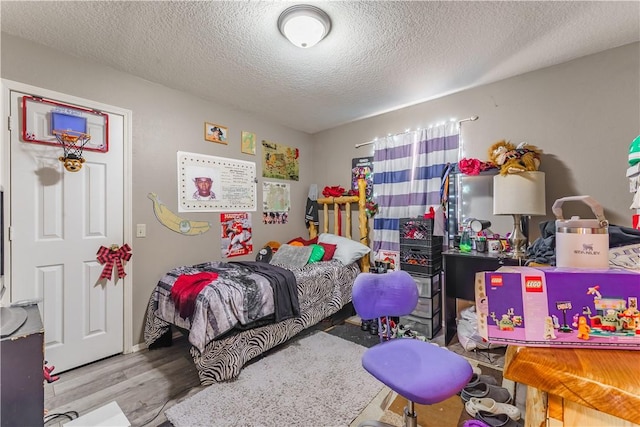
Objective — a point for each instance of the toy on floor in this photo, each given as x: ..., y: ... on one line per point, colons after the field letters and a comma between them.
x: 48, y: 373
x: 406, y: 332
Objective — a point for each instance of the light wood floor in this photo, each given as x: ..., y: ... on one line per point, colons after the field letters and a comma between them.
x: 144, y: 384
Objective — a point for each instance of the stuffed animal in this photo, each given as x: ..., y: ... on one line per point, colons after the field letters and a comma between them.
x: 514, y: 159
x: 72, y: 162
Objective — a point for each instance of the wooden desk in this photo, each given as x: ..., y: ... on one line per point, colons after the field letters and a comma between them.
x: 577, y: 387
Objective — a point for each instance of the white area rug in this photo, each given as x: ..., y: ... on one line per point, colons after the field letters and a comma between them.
x: 315, y: 381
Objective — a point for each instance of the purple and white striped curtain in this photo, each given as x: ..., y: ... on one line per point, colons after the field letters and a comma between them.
x: 407, y: 177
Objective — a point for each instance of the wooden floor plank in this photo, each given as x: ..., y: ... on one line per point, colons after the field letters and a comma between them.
x: 141, y: 383
x: 144, y: 384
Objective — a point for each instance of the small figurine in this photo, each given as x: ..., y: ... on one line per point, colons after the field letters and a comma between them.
x: 505, y: 323
x: 583, y: 328
x: 556, y: 321
x: 549, y: 333
x: 575, y: 320
x: 595, y: 291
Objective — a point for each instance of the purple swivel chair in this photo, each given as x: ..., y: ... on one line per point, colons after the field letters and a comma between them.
x: 418, y: 371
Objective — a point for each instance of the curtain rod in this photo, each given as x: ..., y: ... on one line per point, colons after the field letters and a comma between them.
x: 468, y: 119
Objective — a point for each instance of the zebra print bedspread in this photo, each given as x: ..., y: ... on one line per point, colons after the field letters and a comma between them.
x: 323, y: 289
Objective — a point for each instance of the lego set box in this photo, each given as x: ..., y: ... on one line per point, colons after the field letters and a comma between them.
x: 559, y: 307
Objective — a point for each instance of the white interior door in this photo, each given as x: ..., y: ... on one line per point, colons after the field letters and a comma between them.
x: 58, y: 221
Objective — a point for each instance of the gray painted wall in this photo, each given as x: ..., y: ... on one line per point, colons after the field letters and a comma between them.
x: 583, y: 114
x: 164, y: 121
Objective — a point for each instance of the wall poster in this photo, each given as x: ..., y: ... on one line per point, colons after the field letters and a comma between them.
x: 215, y: 184
x: 276, y: 203
x: 280, y: 161
x: 248, y: 143
x: 362, y: 166
x: 236, y: 234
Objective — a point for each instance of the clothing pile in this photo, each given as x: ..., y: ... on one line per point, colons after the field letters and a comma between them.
x: 468, y: 335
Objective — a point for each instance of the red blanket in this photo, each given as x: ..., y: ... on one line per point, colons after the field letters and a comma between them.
x: 186, y: 289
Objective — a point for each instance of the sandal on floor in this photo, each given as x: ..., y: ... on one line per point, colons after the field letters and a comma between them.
x: 475, y: 379
x: 489, y: 405
x: 481, y: 390
x: 496, y: 420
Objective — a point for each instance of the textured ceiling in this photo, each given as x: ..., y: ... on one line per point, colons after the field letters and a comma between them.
x: 379, y: 56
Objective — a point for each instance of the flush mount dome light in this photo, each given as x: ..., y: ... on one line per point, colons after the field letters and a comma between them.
x: 304, y: 25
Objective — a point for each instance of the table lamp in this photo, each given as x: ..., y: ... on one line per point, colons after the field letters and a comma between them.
x: 519, y: 194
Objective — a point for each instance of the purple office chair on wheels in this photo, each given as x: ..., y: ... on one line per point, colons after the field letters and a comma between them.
x: 419, y: 371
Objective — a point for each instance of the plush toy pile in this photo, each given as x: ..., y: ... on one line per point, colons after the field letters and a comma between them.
x: 510, y: 158
x: 506, y: 157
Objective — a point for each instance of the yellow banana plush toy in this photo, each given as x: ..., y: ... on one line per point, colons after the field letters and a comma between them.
x: 174, y: 222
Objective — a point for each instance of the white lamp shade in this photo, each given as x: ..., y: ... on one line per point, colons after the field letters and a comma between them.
x: 519, y: 193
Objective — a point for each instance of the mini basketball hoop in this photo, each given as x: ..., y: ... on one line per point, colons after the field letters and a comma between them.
x: 73, y: 143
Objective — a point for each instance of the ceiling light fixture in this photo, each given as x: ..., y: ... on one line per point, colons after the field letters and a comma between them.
x: 304, y: 25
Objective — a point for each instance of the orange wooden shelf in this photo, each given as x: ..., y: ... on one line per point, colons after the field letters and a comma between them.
x: 604, y: 380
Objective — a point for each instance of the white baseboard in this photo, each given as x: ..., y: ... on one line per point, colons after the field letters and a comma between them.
x: 139, y: 347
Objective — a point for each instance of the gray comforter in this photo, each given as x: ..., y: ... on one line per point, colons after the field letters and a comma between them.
x: 243, y: 294
x: 323, y: 289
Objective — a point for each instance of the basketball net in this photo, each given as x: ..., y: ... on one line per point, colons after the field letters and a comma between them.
x: 73, y: 143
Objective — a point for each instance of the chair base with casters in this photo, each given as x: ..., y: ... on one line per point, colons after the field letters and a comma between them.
x: 419, y: 371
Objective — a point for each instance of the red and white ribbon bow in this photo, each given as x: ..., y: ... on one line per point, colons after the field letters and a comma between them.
x: 112, y: 256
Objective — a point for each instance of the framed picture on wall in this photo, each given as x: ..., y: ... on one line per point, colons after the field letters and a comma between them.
x: 248, y: 143
x: 215, y: 133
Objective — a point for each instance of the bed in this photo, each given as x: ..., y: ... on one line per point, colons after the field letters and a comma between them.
x: 239, y: 313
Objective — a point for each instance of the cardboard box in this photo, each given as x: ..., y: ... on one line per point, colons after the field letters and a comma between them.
x: 543, y: 307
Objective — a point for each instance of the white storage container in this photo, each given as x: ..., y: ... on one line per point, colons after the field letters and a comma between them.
x: 424, y: 326
x: 428, y: 286
x: 582, y: 243
x: 427, y: 306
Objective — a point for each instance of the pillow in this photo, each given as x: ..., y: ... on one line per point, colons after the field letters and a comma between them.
x: 317, y: 252
x: 289, y: 256
x: 329, y: 250
x: 273, y: 245
x: 304, y: 242
x: 264, y: 254
x: 347, y: 251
